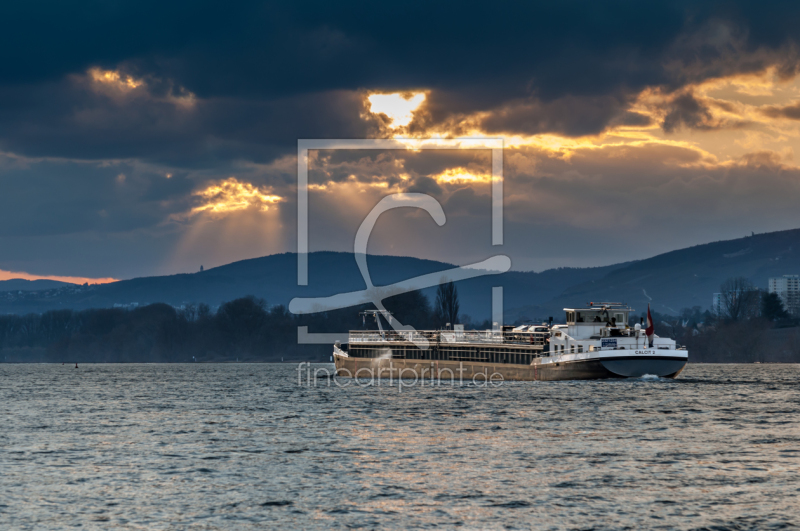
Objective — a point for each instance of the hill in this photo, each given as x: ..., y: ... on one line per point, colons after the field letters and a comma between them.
x: 670, y: 281
x: 274, y: 278
x: 688, y: 277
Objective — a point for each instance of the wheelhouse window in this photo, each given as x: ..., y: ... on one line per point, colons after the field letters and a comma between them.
x: 593, y: 317
x: 602, y: 316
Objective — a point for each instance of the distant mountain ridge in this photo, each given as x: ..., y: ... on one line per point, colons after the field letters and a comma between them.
x: 274, y: 278
x: 21, y: 284
x: 670, y: 281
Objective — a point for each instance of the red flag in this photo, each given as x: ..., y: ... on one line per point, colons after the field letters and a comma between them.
x: 650, y: 330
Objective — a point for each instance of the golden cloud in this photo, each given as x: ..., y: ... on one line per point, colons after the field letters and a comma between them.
x: 232, y: 195
x: 115, y: 80
x: 119, y: 86
x: 462, y: 175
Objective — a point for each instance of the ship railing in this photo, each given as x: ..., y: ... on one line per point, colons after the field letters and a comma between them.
x: 374, y: 336
x: 450, y: 336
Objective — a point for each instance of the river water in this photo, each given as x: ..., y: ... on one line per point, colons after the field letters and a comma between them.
x: 240, y: 446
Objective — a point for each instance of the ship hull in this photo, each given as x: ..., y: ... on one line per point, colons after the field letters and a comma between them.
x: 666, y: 365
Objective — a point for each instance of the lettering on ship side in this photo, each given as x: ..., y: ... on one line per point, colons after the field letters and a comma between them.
x: 645, y: 352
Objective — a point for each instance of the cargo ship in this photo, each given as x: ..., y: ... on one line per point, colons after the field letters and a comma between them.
x: 596, y: 342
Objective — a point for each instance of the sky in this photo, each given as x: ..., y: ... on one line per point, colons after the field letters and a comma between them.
x: 138, y: 138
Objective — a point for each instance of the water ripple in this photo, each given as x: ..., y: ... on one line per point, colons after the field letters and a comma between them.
x: 239, y: 446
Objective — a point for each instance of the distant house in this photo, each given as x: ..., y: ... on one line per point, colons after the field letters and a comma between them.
x: 788, y: 289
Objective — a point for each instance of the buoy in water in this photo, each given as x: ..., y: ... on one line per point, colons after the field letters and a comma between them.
x: 76, y: 364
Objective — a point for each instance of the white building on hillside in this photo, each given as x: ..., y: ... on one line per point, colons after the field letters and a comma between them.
x: 788, y: 289
x: 716, y: 304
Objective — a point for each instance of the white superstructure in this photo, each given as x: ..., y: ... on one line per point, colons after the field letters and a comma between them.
x: 602, y: 334
x: 602, y: 327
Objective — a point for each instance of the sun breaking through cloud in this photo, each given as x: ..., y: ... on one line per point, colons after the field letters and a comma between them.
x: 398, y: 107
x: 231, y: 195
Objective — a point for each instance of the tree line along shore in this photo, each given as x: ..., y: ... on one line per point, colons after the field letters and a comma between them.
x: 757, y: 329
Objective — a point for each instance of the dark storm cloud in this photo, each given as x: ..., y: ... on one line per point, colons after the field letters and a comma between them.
x: 571, y: 116
x: 265, y: 74
x: 285, y: 48
x: 56, y: 197
x: 227, y: 89
x: 425, y: 185
x: 687, y: 111
x: 789, y: 111
x: 73, y: 118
